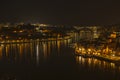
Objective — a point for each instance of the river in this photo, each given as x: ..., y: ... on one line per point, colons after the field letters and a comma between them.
x: 51, y: 60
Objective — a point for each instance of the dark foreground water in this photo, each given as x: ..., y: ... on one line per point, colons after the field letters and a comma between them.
x: 52, y: 60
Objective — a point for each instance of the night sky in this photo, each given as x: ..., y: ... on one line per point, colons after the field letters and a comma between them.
x: 85, y: 12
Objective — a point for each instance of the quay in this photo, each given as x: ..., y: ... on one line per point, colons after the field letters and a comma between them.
x: 108, y: 58
x: 32, y: 40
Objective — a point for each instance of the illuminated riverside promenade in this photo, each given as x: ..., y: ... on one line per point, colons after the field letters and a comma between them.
x: 102, y: 54
x: 110, y: 58
x: 32, y: 40
x: 105, y: 47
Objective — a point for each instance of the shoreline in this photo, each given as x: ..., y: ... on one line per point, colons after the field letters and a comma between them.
x: 32, y: 40
x: 113, y: 59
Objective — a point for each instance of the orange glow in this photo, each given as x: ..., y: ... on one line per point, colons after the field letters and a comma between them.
x: 20, y: 31
x: 113, y: 35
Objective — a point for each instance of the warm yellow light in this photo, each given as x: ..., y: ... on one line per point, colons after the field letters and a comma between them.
x: 21, y: 31
x: 113, y: 35
x: 89, y: 50
x: 83, y: 49
x: 98, y: 53
x: 80, y: 49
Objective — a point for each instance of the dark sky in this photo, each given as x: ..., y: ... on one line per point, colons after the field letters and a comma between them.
x: 88, y: 12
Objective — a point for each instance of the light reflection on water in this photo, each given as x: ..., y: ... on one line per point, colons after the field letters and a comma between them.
x: 33, y: 52
x: 36, y: 53
x: 93, y: 63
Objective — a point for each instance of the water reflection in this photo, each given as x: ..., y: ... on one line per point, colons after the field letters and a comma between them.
x: 37, y: 54
x: 92, y: 63
x: 31, y: 53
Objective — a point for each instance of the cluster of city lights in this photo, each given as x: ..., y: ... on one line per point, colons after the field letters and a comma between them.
x: 93, y: 51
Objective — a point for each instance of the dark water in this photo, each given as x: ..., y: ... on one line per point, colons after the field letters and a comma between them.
x: 52, y: 60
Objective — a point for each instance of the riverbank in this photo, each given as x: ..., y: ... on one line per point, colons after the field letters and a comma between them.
x: 32, y: 40
x: 108, y: 58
